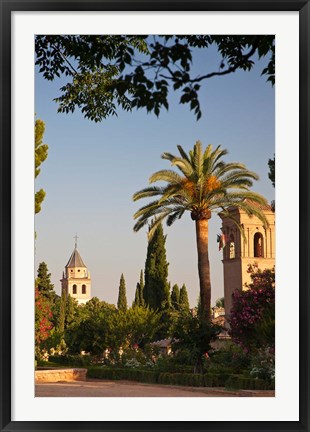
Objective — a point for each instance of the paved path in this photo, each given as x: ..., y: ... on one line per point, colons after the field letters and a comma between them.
x: 100, y: 388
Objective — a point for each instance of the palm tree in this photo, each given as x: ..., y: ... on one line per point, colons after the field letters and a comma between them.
x: 206, y: 184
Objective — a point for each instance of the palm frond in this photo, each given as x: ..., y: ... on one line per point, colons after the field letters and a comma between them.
x: 241, y: 173
x: 247, y: 201
x: 155, y: 223
x: 168, y: 156
x: 217, y: 155
x: 153, y: 213
x: 198, y: 159
x: 165, y: 175
x: 139, y: 224
x: 226, y: 167
x: 211, y: 157
x: 217, y: 167
x: 145, y: 209
x: 171, y: 191
x: 147, y: 192
x: 178, y: 213
x: 251, y: 210
x: 235, y: 221
x: 184, y: 166
x: 182, y: 163
x: 233, y: 183
x: 183, y: 153
x: 248, y: 196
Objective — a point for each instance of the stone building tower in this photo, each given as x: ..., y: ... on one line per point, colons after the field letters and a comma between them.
x: 238, y: 253
x: 76, y: 278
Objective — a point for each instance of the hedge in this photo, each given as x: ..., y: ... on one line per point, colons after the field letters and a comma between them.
x: 71, y: 360
x: 245, y: 383
x: 184, y: 379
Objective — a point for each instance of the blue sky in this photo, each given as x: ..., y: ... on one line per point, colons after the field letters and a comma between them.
x: 92, y: 171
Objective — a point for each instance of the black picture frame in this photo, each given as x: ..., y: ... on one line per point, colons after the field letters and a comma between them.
x: 7, y: 7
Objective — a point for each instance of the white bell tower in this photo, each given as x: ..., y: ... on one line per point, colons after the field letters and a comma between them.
x: 76, y: 279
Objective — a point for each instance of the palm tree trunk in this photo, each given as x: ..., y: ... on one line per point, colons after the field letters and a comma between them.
x: 202, y: 238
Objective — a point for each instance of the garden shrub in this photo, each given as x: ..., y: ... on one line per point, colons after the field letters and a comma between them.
x: 231, y: 360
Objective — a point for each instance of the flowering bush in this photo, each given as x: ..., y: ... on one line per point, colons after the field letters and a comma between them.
x: 260, y: 279
x: 135, y: 357
x: 252, y: 318
x: 132, y: 363
x: 43, y: 315
x: 263, y: 364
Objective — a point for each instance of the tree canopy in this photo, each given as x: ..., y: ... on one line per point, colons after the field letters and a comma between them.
x: 272, y: 170
x: 109, y: 71
x: 40, y: 154
x: 43, y: 281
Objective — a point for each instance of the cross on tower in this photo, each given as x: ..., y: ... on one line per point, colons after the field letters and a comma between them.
x: 75, y: 237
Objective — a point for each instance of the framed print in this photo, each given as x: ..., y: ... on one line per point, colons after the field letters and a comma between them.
x: 105, y: 90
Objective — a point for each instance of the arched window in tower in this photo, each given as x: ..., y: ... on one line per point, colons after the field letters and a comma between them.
x: 83, y: 289
x: 74, y: 289
x: 258, y: 245
x: 232, y: 252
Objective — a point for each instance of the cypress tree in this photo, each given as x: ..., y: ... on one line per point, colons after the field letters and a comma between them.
x: 175, y: 297
x: 122, y: 299
x: 139, y: 300
x: 141, y: 288
x: 43, y: 282
x: 184, y: 303
x: 156, y: 288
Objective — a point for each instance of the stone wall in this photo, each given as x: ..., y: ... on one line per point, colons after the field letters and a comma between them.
x: 56, y: 375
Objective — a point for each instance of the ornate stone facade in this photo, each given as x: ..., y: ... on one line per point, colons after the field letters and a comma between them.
x: 257, y: 246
